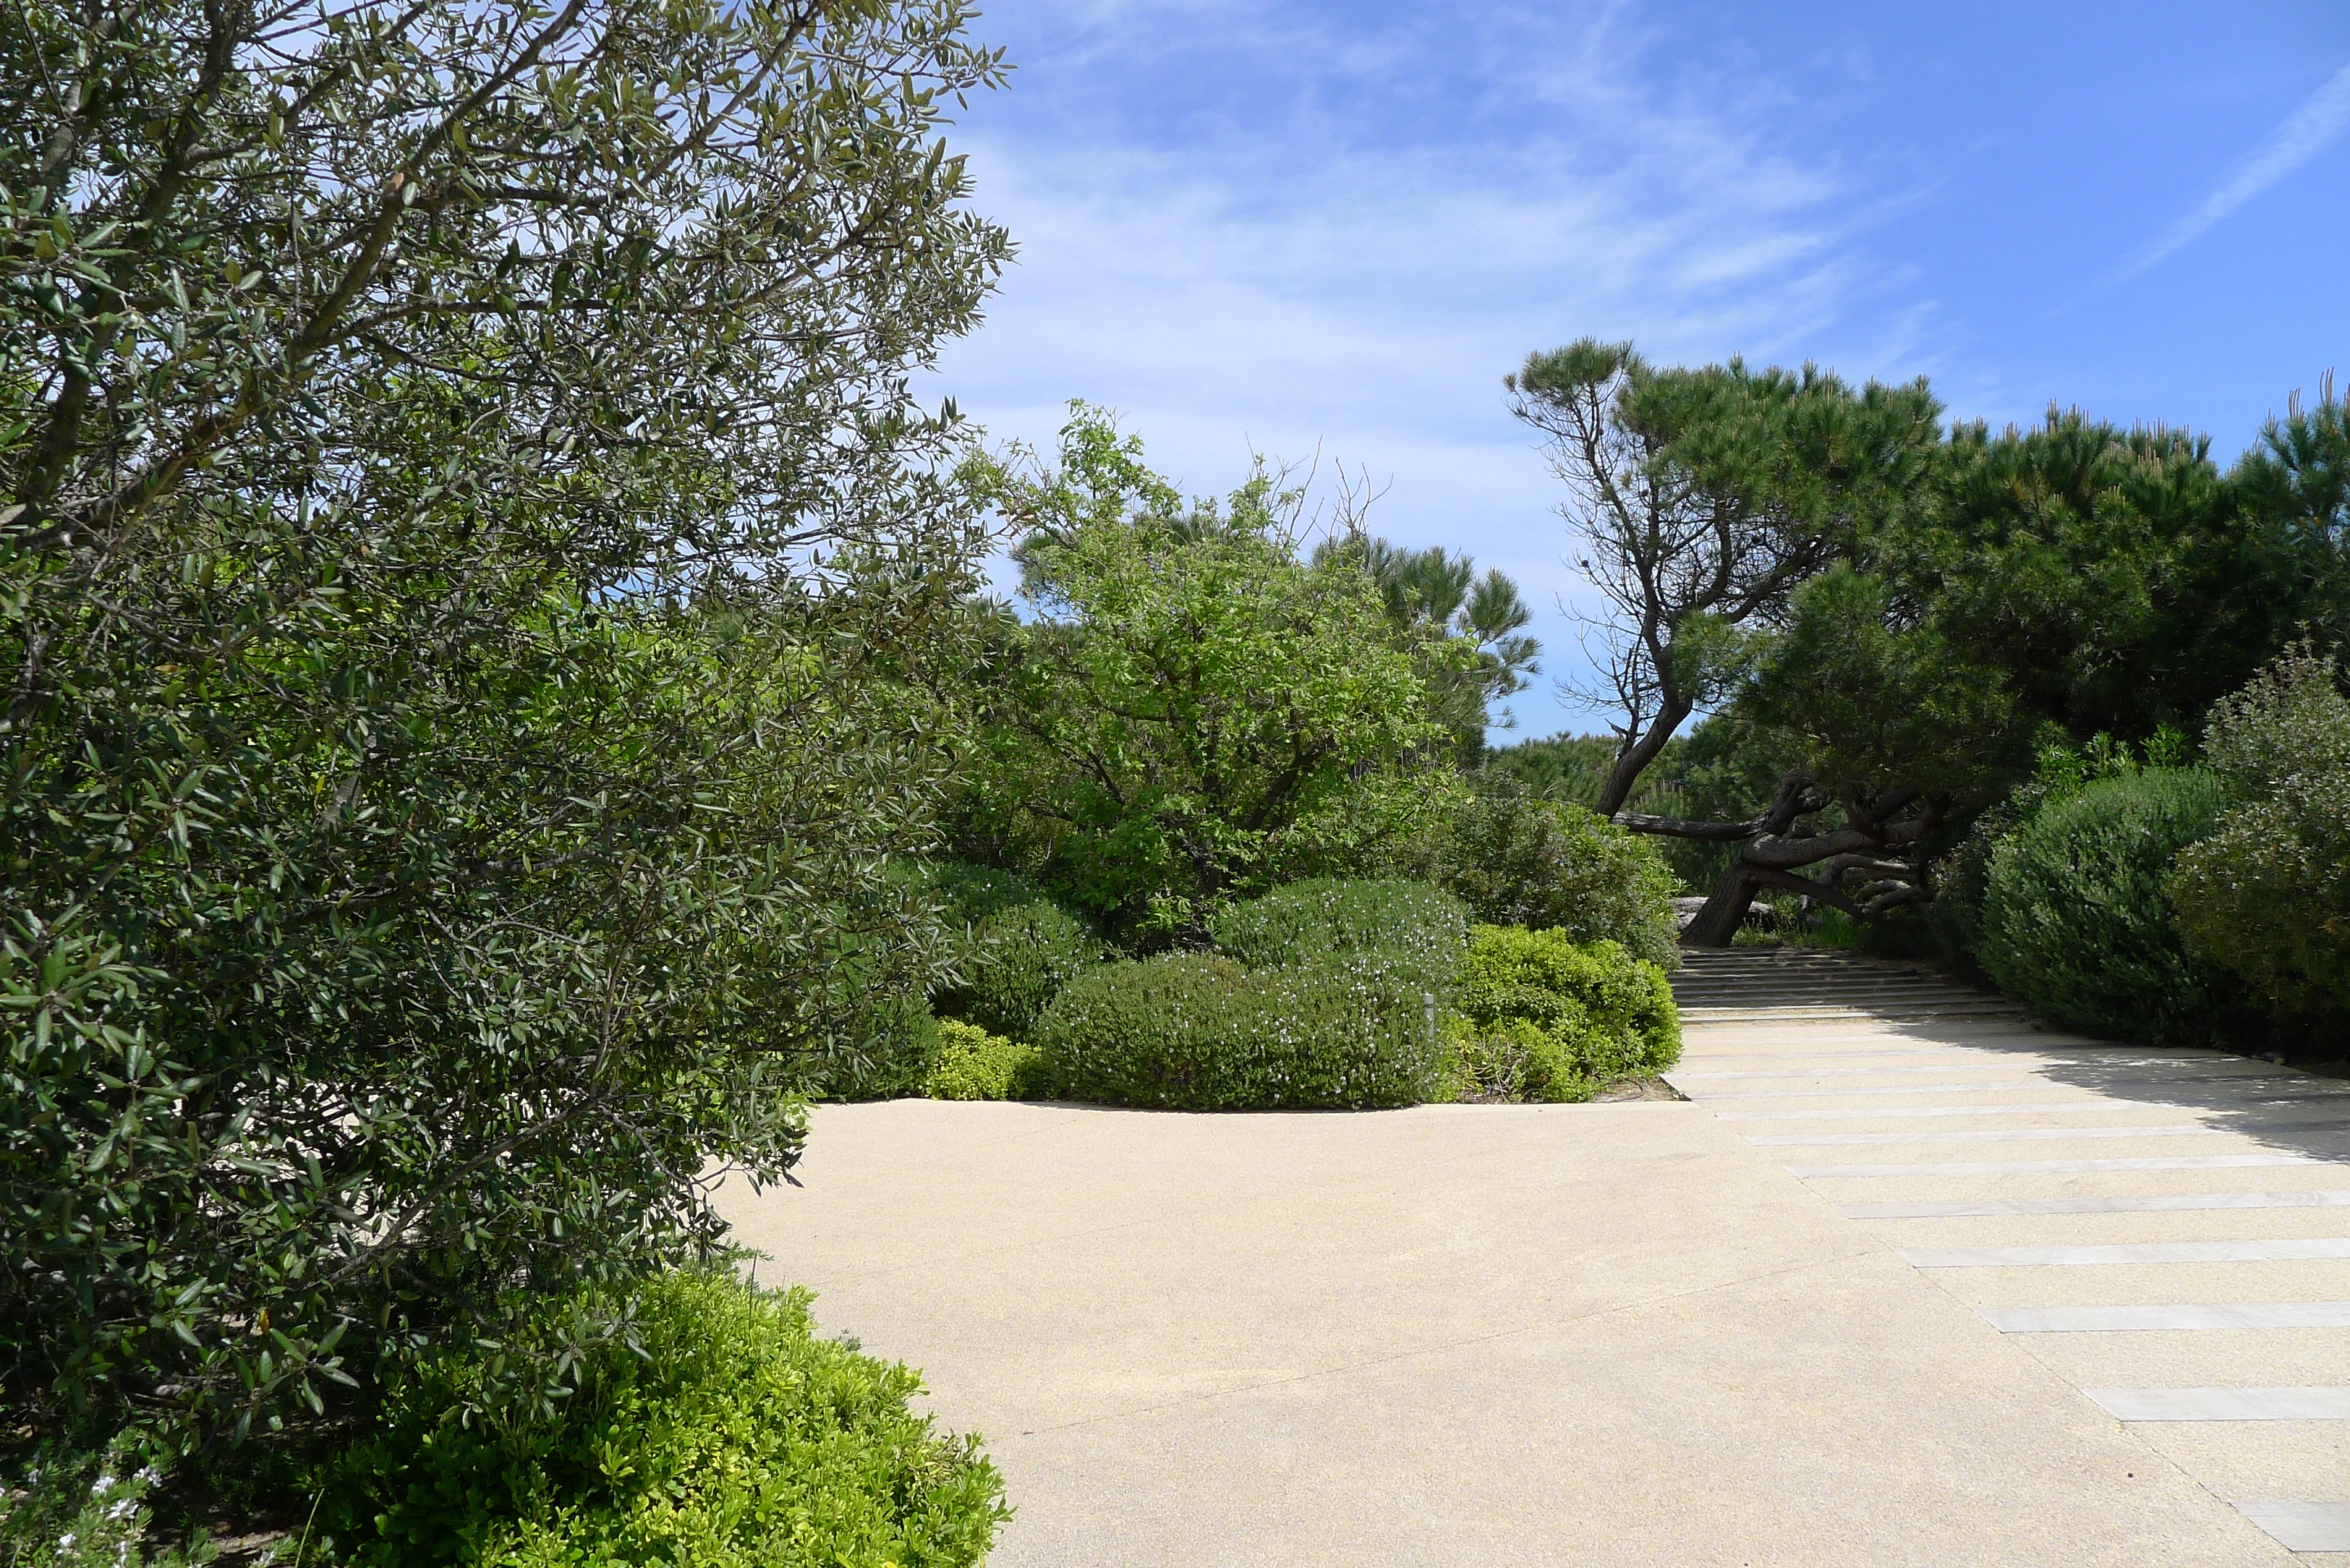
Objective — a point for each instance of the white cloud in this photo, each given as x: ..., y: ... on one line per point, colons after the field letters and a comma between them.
x: 1309, y: 272
x: 2306, y: 132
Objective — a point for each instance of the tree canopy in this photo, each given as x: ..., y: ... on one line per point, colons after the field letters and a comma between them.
x: 1192, y: 711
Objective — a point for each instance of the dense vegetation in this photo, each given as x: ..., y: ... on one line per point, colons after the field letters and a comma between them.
x: 503, y: 708
x: 477, y: 603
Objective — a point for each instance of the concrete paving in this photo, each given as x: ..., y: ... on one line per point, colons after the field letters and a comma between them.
x: 2202, y: 1302
x: 1617, y: 1334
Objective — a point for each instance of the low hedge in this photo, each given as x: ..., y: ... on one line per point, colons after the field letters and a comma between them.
x: 976, y: 1066
x: 1412, y: 931
x: 1203, y: 1032
x: 1547, y: 1018
x: 717, y: 1429
x: 2077, y: 918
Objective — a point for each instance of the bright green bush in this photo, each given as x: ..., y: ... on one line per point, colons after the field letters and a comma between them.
x: 1517, y: 859
x: 1408, y: 929
x: 1563, y: 1016
x: 713, y: 1429
x: 1201, y: 1031
x: 976, y: 1066
x: 2077, y: 920
x: 1513, y: 1059
x: 2267, y: 893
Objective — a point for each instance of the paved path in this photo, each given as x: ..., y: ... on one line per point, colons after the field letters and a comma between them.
x: 2169, y: 1231
x: 1628, y: 1334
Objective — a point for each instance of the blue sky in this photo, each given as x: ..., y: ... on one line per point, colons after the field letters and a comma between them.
x: 1296, y: 228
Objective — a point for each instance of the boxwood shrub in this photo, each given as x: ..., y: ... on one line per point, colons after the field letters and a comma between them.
x: 1203, y: 1032
x: 1019, y: 959
x: 2077, y: 919
x: 716, y: 1429
x: 976, y: 1066
x: 1548, y: 1018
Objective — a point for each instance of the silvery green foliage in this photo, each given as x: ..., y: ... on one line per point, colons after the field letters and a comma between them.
x: 1409, y: 928
x: 2267, y: 893
x: 468, y: 573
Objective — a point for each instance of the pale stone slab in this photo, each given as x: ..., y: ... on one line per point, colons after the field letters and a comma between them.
x: 2276, y: 1249
x: 2011, y: 1167
x: 1871, y: 1094
x: 2224, y: 1403
x: 2204, y: 1315
x: 2004, y: 1135
x: 2151, y: 1203
x: 2303, y: 1526
x: 1876, y: 1113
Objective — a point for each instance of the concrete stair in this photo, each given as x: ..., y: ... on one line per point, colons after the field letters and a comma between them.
x: 1754, y: 984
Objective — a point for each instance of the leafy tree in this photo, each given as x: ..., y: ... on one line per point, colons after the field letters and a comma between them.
x: 470, y: 573
x: 1435, y: 597
x: 1192, y: 713
x: 1907, y: 615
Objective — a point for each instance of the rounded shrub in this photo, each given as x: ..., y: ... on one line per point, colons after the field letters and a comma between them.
x: 1517, y: 859
x: 1201, y: 1031
x: 1410, y: 929
x: 2077, y: 919
x: 1020, y: 957
x: 976, y: 1066
x: 713, y: 1427
x: 1568, y: 1016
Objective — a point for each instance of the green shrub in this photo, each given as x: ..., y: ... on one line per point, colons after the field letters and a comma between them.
x: 1516, y: 859
x: 715, y: 1430
x: 2078, y: 923
x: 1020, y: 957
x: 968, y: 894
x: 1565, y: 1016
x: 2267, y: 893
x: 1513, y: 1059
x: 976, y: 1066
x: 1415, y: 931
x: 1200, y: 1032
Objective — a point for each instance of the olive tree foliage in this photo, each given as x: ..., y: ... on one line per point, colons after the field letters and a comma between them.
x: 469, y: 569
x: 1189, y: 713
x: 1698, y: 500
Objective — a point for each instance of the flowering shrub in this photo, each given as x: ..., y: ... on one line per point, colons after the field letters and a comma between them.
x: 1200, y: 1032
x: 1409, y: 930
x: 85, y: 1509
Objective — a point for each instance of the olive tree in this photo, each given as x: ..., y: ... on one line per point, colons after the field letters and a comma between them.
x: 470, y: 572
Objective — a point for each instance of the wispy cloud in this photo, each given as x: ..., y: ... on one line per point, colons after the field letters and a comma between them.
x: 1338, y: 240
x: 2306, y: 132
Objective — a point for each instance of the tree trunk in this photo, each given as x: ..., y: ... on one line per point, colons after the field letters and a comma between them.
x: 1725, y: 907
x: 1634, y: 759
